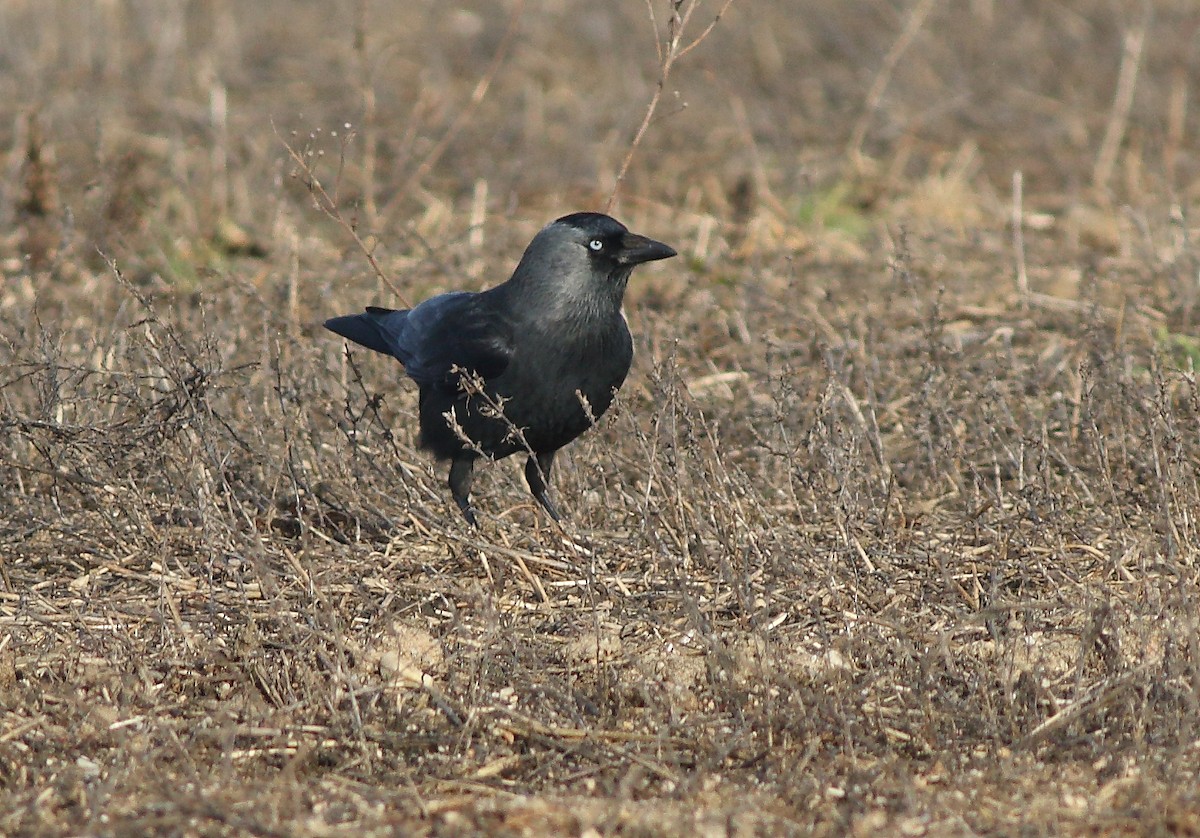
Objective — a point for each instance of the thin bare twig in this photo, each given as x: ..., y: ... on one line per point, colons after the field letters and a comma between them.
x: 328, y: 204
x: 667, y: 57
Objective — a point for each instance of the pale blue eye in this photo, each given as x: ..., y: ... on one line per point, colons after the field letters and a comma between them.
x: 596, y: 244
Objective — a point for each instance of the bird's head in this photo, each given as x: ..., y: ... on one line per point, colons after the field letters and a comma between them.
x: 583, y: 261
x: 608, y: 243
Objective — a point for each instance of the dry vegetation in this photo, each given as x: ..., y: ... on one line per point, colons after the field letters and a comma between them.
x: 894, y: 528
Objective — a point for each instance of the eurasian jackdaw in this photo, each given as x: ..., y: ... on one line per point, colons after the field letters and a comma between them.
x: 526, y: 366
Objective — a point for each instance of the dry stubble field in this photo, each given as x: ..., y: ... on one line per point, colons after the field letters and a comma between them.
x: 893, y: 529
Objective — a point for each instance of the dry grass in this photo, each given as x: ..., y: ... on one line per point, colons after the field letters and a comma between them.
x: 874, y: 540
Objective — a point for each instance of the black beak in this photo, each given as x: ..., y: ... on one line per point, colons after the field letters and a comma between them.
x: 636, y: 249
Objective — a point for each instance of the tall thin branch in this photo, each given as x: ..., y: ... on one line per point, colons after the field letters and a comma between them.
x: 668, y: 54
x: 328, y: 204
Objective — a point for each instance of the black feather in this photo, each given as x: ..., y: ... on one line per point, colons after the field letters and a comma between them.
x: 443, y: 335
x: 550, y: 345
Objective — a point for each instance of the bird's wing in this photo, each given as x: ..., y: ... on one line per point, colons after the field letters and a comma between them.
x: 459, y: 330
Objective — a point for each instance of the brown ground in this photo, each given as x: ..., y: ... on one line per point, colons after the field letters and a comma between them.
x: 894, y: 529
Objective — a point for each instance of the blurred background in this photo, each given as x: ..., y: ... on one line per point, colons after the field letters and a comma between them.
x: 160, y: 123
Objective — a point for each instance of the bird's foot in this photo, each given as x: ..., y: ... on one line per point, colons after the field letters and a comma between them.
x: 544, y: 499
x: 468, y: 511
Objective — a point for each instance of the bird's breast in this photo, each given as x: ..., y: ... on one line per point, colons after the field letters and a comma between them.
x: 545, y: 379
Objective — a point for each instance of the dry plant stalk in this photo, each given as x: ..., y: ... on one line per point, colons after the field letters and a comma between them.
x: 668, y: 54
x: 1118, y: 116
x: 328, y: 204
x: 370, y: 128
x: 916, y: 19
x: 1018, y: 224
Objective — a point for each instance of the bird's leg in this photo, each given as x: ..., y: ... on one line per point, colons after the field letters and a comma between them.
x: 462, y: 470
x: 537, y: 472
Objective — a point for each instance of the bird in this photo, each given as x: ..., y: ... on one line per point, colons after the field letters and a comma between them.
x: 525, y: 366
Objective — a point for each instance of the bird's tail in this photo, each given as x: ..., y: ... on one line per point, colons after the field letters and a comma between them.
x: 375, y: 329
